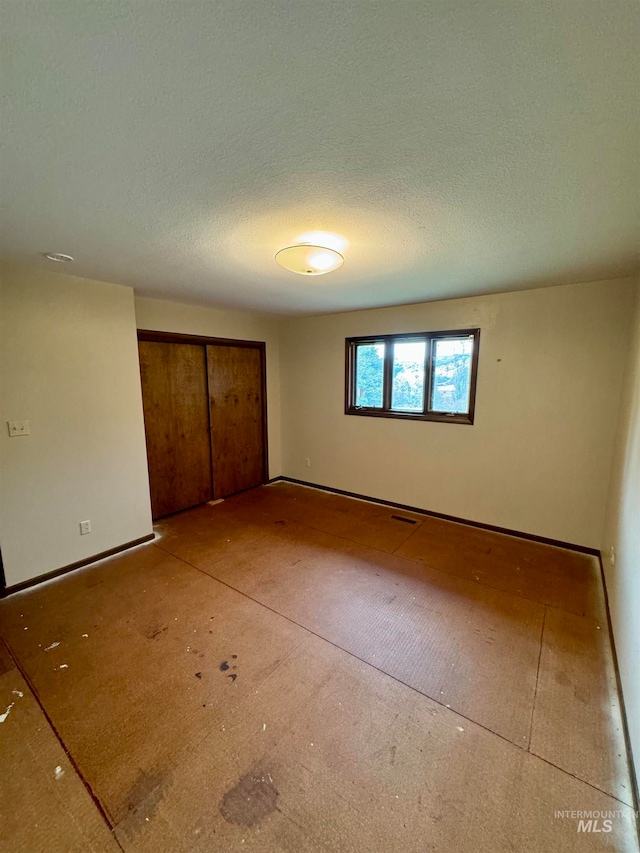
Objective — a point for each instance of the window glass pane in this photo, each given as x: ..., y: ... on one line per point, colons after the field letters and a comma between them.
x: 369, y: 375
x: 407, y: 391
x: 451, y: 375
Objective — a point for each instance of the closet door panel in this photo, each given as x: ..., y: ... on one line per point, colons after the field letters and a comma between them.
x: 236, y: 417
x: 176, y: 417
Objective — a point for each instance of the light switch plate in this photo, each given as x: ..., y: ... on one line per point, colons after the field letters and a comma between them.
x: 18, y: 428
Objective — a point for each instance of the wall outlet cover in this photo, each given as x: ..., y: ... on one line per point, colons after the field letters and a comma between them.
x: 18, y: 428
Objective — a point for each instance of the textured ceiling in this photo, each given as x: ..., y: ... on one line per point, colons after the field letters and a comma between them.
x: 461, y: 147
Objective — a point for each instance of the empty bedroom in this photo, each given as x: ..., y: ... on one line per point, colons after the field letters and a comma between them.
x: 320, y: 426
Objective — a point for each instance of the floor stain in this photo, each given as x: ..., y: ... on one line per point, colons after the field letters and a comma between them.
x: 250, y: 800
x: 225, y: 665
x: 143, y: 800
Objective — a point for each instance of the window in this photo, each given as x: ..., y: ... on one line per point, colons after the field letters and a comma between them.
x: 427, y: 376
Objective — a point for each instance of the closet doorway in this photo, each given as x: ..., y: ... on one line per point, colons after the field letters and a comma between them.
x: 205, y: 418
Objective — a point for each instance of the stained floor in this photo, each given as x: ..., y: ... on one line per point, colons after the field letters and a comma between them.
x: 292, y: 670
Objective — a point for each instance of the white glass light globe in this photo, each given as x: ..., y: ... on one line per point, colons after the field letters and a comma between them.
x: 306, y: 259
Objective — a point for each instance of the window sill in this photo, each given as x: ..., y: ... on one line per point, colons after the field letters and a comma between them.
x: 409, y: 416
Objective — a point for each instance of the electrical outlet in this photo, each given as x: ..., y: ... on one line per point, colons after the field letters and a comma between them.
x: 85, y: 527
x: 18, y: 428
x: 307, y: 463
x: 612, y: 556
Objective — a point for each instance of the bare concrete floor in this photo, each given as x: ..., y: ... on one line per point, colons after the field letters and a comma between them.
x: 292, y: 670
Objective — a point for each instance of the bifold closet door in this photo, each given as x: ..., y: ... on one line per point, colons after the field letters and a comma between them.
x: 236, y: 417
x: 176, y: 419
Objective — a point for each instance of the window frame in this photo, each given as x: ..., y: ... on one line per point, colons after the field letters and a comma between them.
x: 351, y: 345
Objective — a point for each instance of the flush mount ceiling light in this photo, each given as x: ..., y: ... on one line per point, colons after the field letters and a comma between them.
x: 58, y: 258
x: 308, y: 259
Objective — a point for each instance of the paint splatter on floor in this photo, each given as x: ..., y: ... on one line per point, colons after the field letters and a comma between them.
x: 4, y: 716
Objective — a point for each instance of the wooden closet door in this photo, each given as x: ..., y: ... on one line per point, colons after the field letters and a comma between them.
x: 176, y: 419
x: 236, y: 416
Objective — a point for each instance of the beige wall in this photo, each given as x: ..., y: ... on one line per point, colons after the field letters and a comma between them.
x: 622, y: 532
x: 69, y: 366
x: 165, y: 316
x: 538, y: 457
